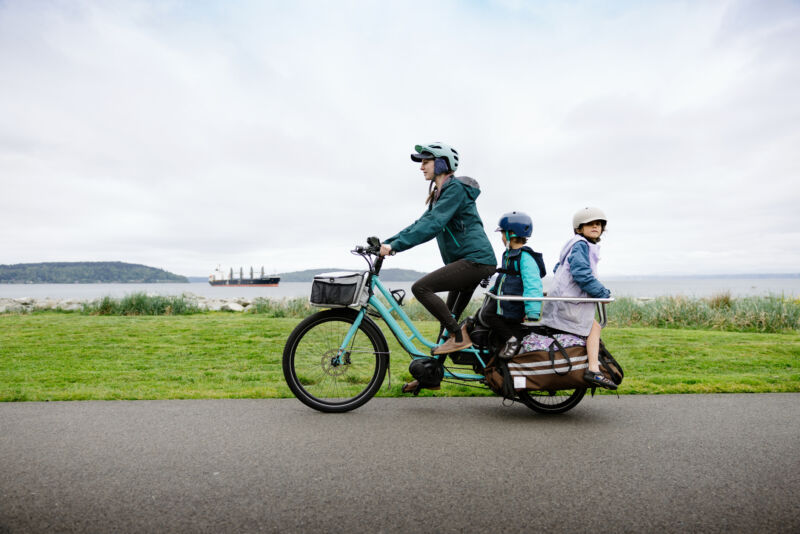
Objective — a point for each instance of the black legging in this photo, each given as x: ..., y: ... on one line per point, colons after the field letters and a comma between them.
x: 460, y: 278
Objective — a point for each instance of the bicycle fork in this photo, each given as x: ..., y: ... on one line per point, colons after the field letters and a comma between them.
x: 343, y: 354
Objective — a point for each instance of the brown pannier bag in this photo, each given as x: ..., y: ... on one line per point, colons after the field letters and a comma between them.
x: 551, y: 370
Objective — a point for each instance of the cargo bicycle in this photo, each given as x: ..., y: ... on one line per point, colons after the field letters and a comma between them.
x: 337, y: 359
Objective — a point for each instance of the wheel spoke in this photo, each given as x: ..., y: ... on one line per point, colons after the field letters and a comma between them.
x: 325, y: 379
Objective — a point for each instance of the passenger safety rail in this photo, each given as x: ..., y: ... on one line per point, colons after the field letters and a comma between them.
x: 600, y: 304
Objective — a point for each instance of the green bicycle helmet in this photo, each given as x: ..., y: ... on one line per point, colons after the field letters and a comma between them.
x: 437, y: 150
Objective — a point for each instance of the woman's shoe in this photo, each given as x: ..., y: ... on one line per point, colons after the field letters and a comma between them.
x: 451, y: 345
x: 414, y: 387
x: 596, y: 378
x: 411, y: 387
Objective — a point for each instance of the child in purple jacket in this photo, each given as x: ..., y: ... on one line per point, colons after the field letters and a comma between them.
x: 575, y: 275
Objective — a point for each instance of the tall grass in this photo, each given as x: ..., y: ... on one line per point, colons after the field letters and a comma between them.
x: 296, y: 307
x: 141, y: 304
x: 720, y: 312
x: 768, y: 314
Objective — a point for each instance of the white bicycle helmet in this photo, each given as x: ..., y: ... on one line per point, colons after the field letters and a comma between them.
x: 587, y: 215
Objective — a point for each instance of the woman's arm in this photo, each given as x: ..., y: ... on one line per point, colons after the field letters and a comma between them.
x: 432, y: 221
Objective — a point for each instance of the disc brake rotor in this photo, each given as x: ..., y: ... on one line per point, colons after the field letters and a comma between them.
x: 333, y: 365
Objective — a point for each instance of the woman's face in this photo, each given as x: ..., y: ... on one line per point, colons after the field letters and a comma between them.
x: 427, y: 169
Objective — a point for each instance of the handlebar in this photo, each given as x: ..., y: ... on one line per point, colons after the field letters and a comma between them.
x: 373, y: 248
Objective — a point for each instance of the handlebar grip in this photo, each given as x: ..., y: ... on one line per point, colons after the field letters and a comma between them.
x: 374, y: 248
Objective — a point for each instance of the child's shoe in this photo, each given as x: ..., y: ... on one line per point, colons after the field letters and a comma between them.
x: 596, y: 378
x: 510, y: 349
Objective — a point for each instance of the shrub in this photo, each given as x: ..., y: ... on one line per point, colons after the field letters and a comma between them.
x: 720, y: 300
x: 142, y: 304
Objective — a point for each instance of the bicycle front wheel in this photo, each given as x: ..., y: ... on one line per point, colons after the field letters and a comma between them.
x: 321, y: 377
x: 551, y: 402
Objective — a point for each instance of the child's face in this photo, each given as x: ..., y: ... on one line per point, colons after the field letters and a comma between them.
x: 515, y: 243
x: 591, y: 230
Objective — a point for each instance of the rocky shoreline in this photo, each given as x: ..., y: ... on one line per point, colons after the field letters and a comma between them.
x: 29, y: 304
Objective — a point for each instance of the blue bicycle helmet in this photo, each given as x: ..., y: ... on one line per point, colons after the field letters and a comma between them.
x: 516, y: 223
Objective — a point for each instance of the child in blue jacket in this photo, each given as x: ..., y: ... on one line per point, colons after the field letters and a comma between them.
x: 521, y: 274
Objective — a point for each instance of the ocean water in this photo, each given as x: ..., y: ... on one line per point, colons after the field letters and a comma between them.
x: 628, y: 287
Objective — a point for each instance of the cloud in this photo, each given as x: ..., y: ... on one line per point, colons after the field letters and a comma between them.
x: 190, y: 134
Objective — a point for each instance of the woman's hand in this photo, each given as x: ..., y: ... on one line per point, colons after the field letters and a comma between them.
x: 386, y: 249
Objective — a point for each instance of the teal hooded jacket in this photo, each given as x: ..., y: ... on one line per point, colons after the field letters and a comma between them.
x: 454, y: 221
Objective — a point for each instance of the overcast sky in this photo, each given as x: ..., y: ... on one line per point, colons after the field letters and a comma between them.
x: 183, y: 135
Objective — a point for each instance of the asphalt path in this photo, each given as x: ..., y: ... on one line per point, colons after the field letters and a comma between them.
x: 671, y: 463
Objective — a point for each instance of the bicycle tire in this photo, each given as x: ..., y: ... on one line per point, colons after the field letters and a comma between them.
x: 318, y: 378
x: 551, y: 402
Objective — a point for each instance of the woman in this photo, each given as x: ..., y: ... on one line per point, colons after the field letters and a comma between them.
x: 452, y: 218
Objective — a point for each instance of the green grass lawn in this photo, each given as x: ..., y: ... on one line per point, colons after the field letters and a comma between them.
x: 54, y: 356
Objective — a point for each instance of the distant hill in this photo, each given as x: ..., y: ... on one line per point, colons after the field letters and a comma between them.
x: 388, y: 275
x: 84, y: 272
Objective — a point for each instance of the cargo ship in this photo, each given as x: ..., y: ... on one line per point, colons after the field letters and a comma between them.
x: 218, y: 278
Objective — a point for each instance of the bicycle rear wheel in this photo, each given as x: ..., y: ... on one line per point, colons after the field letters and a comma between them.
x: 320, y: 377
x: 551, y: 402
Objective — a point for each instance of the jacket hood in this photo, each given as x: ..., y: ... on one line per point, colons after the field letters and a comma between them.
x: 471, y: 186
x: 537, y: 257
